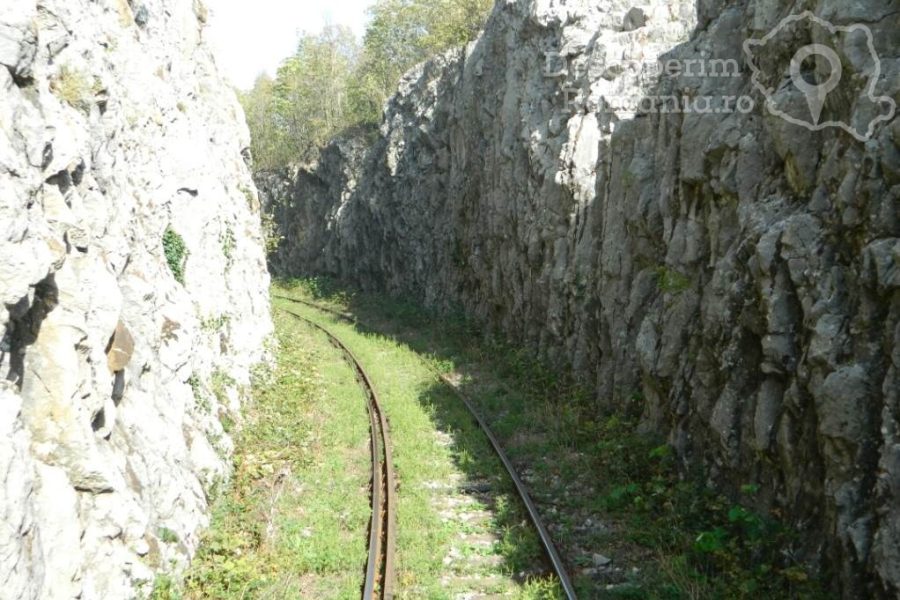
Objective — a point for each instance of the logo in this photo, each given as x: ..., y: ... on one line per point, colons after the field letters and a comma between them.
x: 802, y: 70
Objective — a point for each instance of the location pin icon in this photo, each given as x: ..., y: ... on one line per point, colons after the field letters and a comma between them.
x: 816, y: 93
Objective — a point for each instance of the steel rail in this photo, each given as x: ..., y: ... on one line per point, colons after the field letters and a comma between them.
x: 380, y: 575
x: 546, y: 541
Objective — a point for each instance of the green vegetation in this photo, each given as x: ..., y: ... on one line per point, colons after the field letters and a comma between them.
x: 271, y: 234
x: 215, y: 324
x: 168, y: 536
x: 402, y: 33
x: 436, y: 441
x: 176, y: 253
x: 221, y: 382
x: 201, y: 399
x: 333, y: 83
x: 294, y: 522
x: 603, y: 485
x: 165, y: 588
x: 250, y: 195
x: 229, y: 244
x: 672, y: 282
x: 74, y: 87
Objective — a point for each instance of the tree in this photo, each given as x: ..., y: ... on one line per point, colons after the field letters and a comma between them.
x: 402, y: 33
x: 269, y: 148
x: 311, y: 92
x: 331, y: 82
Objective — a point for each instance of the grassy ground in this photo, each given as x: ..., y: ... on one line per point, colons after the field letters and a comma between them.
x: 295, y: 521
x: 436, y: 444
x: 627, y: 522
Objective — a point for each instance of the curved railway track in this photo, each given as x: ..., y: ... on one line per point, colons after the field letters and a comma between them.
x: 546, y: 541
x: 380, y: 574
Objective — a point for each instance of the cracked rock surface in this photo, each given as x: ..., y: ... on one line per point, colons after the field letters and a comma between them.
x: 114, y: 128
x: 737, y: 273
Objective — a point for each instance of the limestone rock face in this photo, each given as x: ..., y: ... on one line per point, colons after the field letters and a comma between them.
x: 115, y: 128
x: 736, y: 272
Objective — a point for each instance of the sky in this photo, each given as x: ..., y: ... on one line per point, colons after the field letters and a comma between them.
x: 253, y: 37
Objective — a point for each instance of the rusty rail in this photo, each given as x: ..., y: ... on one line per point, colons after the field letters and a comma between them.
x: 380, y: 573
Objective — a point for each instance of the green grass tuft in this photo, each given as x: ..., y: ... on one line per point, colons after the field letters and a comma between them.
x: 74, y: 87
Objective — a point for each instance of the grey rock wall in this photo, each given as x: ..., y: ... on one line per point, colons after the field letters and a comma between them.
x: 738, y: 273
x: 115, y: 127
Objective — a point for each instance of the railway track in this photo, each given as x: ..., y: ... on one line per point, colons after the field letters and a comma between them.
x: 546, y: 541
x: 380, y: 573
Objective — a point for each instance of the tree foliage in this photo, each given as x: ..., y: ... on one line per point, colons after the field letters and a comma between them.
x: 332, y: 82
x: 306, y: 103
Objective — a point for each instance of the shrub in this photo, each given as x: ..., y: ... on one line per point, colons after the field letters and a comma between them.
x: 176, y: 253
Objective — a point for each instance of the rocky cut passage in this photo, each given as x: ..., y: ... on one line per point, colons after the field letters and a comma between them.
x: 738, y: 274
x: 130, y: 242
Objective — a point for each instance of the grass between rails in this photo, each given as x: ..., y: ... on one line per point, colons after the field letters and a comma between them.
x: 294, y: 523
x: 603, y: 487
x: 419, y: 408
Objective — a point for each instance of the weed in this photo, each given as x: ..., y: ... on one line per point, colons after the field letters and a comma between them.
x: 176, y: 253
x: 250, y: 196
x: 215, y: 324
x: 228, y: 423
x: 74, y: 87
x: 270, y: 232
x: 168, y: 536
x: 196, y: 386
x: 672, y: 282
x: 229, y: 244
x: 221, y: 382
x: 200, y: 398
x: 165, y: 588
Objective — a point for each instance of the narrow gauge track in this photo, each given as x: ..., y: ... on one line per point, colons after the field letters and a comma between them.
x: 546, y: 541
x: 380, y: 574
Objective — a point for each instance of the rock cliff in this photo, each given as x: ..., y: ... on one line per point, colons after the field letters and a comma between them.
x: 133, y: 291
x: 734, y: 272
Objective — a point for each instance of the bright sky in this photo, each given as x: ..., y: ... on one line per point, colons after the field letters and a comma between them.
x: 254, y: 37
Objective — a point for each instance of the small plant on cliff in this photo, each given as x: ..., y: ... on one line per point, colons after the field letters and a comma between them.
x: 176, y: 253
x: 221, y: 382
x: 165, y: 588
x: 249, y: 195
x: 73, y: 87
x: 672, y: 282
x: 215, y: 324
x: 167, y: 536
x: 229, y: 244
x: 270, y: 233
